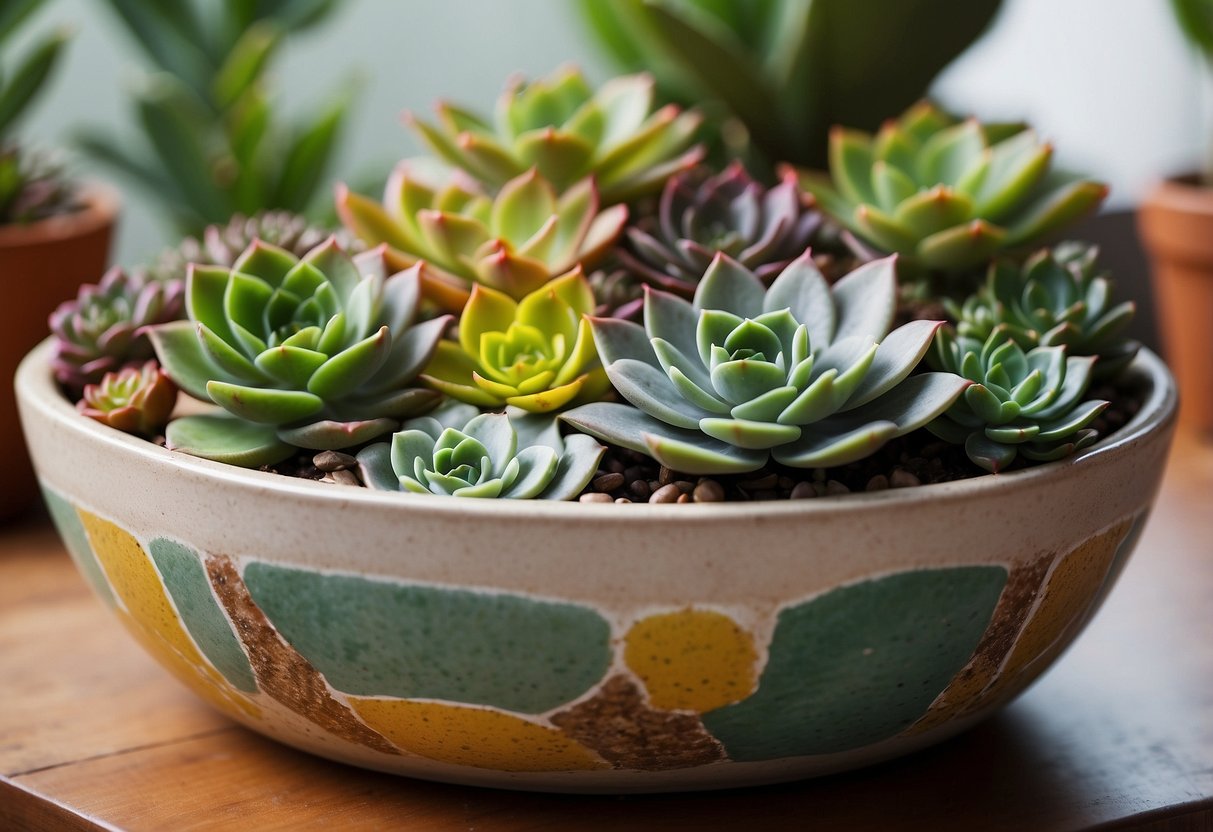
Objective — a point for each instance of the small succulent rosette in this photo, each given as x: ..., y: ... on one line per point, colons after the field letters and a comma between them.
x: 700, y: 216
x: 101, y: 330
x: 569, y: 131
x: 1029, y: 403
x: 536, y: 354
x: 948, y: 195
x: 803, y: 372
x: 137, y: 400
x: 1059, y: 297
x: 514, y: 242
x: 314, y: 353
x: 459, y: 451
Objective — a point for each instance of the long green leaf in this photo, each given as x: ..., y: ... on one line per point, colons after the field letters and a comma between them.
x: 245, y: 65
x: 103, y: 149
x: 177, y: 125
x: 160, y: 35
x: 1196, y: 19
x: 29, y: 77
x: 309, y: 156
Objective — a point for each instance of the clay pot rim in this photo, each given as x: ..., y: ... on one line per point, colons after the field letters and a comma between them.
x: 100, y: 208
x: 1184, y: 193
x: 41, y: 397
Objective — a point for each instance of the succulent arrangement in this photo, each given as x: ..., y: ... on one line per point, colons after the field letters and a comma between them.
x: 566, y: 303
x: 31, y: 184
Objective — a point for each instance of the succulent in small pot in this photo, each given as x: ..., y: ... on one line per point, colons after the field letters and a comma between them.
x: 461, y: 452
x: 1058, y: 297
x: 948, y: 195
x: 536, y: 354
x: 514, y: 242
x: 803, y: 372
x: 700, y: 216
x: 1028, y: 403
x: 316, y: 353
x: 569, y: 131
x: 136, y: 400
x: 221, y: 245
x: 102, y: 329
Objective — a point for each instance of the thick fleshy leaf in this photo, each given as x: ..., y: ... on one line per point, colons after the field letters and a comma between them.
x: 181, y: 355
x: 346, y: 371
x: 227, y: 439
x: 577, y: 465
x: 962, y: 246
x: 750, y: 435
x: 488, y: 310
x: 803, y: 290
x: 617, y: 340
x: 331, y: 435
x: 493, y: 430
x: 267, y: 406
x: 988, y: 454
x: 375, y: 467
x: 729, y: 286
x: 671, y: 319
x: 536, y: 468
x: 820, y: 448
x: 896, y: 357
x: 651, y: 390
x: 866, y: 300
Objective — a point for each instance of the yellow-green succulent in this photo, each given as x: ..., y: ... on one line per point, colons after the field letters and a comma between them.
x: 536, y: 354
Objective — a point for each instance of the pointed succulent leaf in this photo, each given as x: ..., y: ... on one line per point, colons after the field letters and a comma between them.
x: 225, y: 438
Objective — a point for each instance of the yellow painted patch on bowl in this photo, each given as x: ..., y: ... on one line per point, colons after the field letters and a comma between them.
x: 469, y: 736
x: 149, y: 615
x: 692, y: 660
x: 1069, y: 591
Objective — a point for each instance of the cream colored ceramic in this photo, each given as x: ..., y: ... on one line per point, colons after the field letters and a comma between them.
x: 595, y: 648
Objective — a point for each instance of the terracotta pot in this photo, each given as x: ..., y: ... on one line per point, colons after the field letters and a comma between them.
x: 1176, y: 223
x: 600, y: 648
x: 41, y: 265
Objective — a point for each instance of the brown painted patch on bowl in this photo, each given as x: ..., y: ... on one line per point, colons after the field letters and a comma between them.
x: 280, y: 670
x: 629, y: 734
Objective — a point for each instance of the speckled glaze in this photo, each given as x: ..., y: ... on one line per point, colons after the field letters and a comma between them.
x: 595, y: 648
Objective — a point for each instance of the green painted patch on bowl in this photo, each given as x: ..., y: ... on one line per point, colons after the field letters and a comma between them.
x: 187, y: 583
x: 860, y: 663
x: 375, y: 638
x: 71, y: 530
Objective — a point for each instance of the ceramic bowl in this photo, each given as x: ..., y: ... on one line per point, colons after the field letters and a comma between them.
x: 595, y: 648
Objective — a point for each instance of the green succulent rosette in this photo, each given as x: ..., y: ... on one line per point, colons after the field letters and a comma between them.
x: 1029, y: 403
x: 569, y: 131
x: 803, y: 372
x: 948, y: 195
x: 514, y: 242
x: 316, y: 353
x: 1059, y: 297
x: 536, y: 354
x: 461, y: 452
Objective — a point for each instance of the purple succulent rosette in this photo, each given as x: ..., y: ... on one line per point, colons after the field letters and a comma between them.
x: 100, y: 331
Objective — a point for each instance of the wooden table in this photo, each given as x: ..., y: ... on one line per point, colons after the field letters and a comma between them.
x: 93, y: 735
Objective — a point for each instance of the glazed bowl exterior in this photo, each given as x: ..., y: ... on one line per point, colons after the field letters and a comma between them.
x: 587, y: 647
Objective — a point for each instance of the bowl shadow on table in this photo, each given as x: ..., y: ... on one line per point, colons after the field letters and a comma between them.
x: 982, y: 774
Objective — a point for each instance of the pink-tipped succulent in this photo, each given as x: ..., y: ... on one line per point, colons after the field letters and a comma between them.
x: 514, y: 242
x: 100, y: 330
x: 135, y: 400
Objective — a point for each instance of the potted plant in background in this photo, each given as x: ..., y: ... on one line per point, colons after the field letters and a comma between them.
x: 1176, y: 224
x: 54, y: 233
x: 709, y: 516
x: 216, y: 145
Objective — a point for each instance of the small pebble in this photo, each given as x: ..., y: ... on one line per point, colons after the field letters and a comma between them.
x: 665, y: 476
x: 666, y: 494
x: 614, y: 466
x: 344, y: 477
x: 766, y: 494
x: 834, y: 487
x: 636, y: 472
x: 640, y: 490
x: 878, y: 483
x: 330, y: 461
x: 622, y: 500
x: 708, y: 491
x: 802, y: 490
x: 684, y: 498
x: 787, y: 483
x: 901, y: 478
x: 609, y: 482
x: 594, y: 497
x: 685, y: 486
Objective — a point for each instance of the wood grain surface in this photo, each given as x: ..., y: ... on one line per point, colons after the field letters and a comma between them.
x: 1119, y: 735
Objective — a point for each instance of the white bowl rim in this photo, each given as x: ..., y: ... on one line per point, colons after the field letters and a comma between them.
x: 36, y: 387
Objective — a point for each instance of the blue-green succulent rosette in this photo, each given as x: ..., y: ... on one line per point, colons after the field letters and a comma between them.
x: 315, y: 353
x: 461, y: 452
x: 804, y: 373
